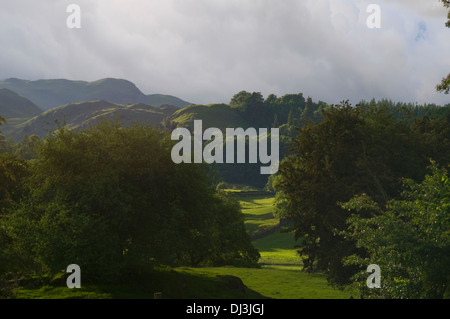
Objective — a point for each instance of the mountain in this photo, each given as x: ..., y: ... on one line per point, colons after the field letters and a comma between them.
x: 48, y: 94
x: 13, y: 105
x: 84, y: 114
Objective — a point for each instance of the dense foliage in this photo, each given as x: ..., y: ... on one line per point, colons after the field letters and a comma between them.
x: 353, y: 150
x: 409, y: 238
x: 285, y: 112
x: 111, y: 200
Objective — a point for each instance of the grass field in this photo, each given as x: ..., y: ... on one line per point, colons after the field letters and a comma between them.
x: 258, y: 211
x: 279, y: 276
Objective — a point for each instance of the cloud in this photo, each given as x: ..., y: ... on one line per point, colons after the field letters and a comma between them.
x: 205, y: 51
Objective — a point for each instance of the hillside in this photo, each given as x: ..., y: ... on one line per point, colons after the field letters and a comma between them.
x: 81, y: 115
x: 51, y: 93
x: 214, y: 115
x: 13, y: 105
x: 78, y: 115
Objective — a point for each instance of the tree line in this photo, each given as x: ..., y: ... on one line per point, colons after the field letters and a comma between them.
x: 292, y: 111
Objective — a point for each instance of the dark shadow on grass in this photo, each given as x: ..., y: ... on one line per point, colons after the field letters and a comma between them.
x: 250, y: 216
x: 180, y: 284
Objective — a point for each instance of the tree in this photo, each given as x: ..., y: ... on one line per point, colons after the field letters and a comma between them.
x: 240, y: 99
x: 444, y: 86
x: 285, y: 105
x: 312, y: 178
x: 111, y: 200
x: 13, y: 174
x: 446, y: 4
x: 4, y: 145
x: 408, y: 238
x: 253, y: 108
x: 275, y: 123
x: 291, y: 120
x: 232, y: 244
x: 308, y: 112
x: 28, y: 147
x: 353, y: 150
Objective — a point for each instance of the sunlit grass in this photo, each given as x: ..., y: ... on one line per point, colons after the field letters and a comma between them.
x: 280, y: 275
x: 258, y: 211
x: 280, y: 282
x: 278, y: 249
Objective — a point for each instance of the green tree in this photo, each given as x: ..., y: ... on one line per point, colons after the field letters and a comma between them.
x: 444, y: 86
x: 111, y: 200
x: 435, y: 137
x: 28, y: 147
x: 239, y: 100
x: 4, y: 145
x: 283, y: 106
x: 409, y: 238
x: 308, y: 112
x: 253, y: 108
x: 13, y: 175
x: 291, y: 120
x: 232, y: 244
x: 353, y: 150
x: 275, y: 123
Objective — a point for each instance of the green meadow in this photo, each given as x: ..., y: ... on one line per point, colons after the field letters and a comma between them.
x: 280, y: 275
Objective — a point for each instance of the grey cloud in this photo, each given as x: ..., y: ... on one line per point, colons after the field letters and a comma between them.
x: 205, y: 51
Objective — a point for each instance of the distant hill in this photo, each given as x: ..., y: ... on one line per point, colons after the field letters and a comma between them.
x: 13, y: 105
x: 82, y: 115
x: 48, y: 94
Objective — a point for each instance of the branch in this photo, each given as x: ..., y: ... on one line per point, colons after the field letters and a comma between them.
x: 445, y: 85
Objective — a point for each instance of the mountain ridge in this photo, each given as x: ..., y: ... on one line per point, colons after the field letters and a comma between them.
x: 50, y: 93
x: 12, y: 105
x: 84, y: 114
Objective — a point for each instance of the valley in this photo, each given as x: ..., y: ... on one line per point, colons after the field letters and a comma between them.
x: 112, y: 172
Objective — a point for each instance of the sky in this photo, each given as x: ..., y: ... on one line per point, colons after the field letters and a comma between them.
x: 205, y: 51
